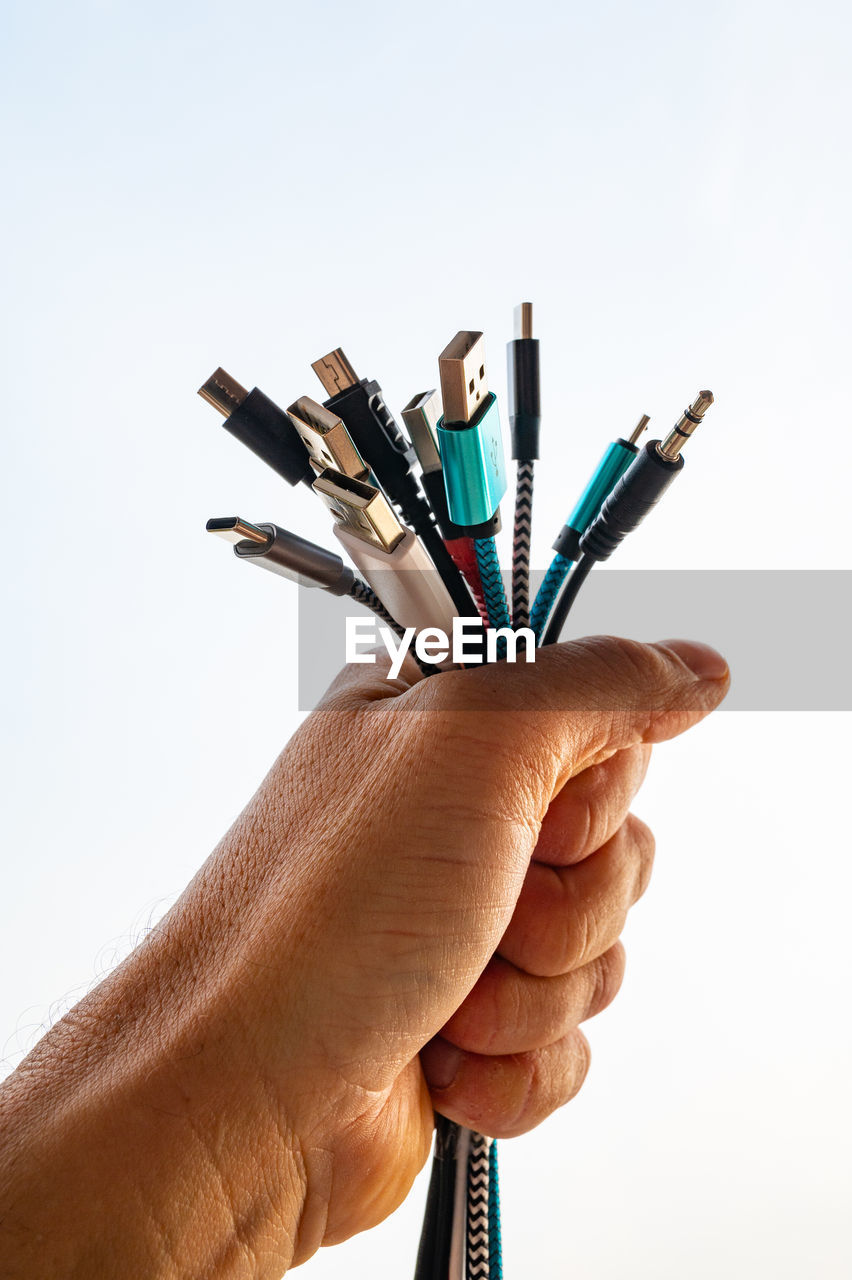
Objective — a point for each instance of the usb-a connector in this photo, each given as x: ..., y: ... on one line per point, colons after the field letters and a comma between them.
x: 326, y: 439
x: 360, y: 508
x: 469, y: 437
x: 387, y: 554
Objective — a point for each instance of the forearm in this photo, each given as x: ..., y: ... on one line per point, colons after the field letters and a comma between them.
x: 137, y: 1140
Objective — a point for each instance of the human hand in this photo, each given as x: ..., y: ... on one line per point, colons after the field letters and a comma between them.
x: 416, y: 911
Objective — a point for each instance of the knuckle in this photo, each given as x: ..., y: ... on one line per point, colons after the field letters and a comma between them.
x: 644, y: 844
x: 607, y: 975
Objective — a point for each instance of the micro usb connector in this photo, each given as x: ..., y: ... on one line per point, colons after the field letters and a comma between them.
x: 386, y: 553
x: 259, y: 424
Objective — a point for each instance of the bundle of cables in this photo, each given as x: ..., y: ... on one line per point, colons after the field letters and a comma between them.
x: 429, y: 500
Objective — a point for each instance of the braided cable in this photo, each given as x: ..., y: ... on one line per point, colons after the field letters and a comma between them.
x: 478, y: 1203
x: 495, y: 1243
x: 492, y: 582
x: 547, y: 593
x: 521, y: 538
x: 362, y: 594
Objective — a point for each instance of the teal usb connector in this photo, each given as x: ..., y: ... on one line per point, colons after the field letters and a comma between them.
x: 471, y: 447
x: 610, y: 469
x: 469, y: 437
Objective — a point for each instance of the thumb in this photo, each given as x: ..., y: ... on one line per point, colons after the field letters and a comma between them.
x: 586, y: 699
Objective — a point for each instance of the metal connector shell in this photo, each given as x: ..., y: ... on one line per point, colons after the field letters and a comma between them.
x: 361, y: 508
x: 687, y: 422
x: 234, y: 529
x: 421, y: 416
x: 474, y: 465
x: 335, y: 372
x: 326, y: 439
x: 223, y: 392
x: 285, y: 554
x: 464, y: 385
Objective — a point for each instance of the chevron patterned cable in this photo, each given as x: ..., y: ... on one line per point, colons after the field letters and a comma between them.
x: 547, y: 593
x: 362, y: 594
x: 521, y: 545
x: 492, y: 582
x: 478, y: 1226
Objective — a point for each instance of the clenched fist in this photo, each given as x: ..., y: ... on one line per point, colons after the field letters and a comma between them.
x: 415, y: 912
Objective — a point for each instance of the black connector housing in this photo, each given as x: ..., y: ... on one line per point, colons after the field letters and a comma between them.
x: 637, y: 492
x: 380, y: 441
x: 433, y: 484
x: 263, y: 427
x: 524, y: 398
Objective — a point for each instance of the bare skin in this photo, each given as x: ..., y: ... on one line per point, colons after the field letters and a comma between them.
x: 416, y: 911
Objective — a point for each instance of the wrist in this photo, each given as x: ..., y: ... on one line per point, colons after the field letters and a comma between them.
x: 140, y: 1133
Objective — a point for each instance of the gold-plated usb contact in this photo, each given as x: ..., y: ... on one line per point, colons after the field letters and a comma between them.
x: 464, y: 385
x: 223, y: 392
x: 325, y: 437
x: 361, y: 508
x: 335, y: 372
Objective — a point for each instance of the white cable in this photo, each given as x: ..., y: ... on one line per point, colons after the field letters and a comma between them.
x: 405, y: 580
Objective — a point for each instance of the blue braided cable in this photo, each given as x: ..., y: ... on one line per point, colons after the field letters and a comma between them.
x: 492, y: 582
x: 495, y: 1242
x: 547, y: 593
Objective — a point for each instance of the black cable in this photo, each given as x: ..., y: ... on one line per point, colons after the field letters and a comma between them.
x: 433, y: 1254
x: 569, y: 594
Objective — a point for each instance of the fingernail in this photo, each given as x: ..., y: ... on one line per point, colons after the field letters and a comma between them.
x: 703, y: 661
x: 440, y: 1061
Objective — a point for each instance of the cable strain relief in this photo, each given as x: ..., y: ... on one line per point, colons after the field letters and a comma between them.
x: 524, y: 398
x: 568, y: 543
x: 488, y: 528
x: 637, y: 492
x: 599, y: 541
x: 526, y: 430
x: 264, y: 428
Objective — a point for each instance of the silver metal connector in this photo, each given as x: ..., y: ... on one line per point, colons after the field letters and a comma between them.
x: 421, y: 416
x: 687, y: 422
x: 326, y: 439
x: 285, y: 554
x: 223, y: 392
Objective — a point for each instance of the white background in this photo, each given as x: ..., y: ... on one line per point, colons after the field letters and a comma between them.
x: 195, y: 184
